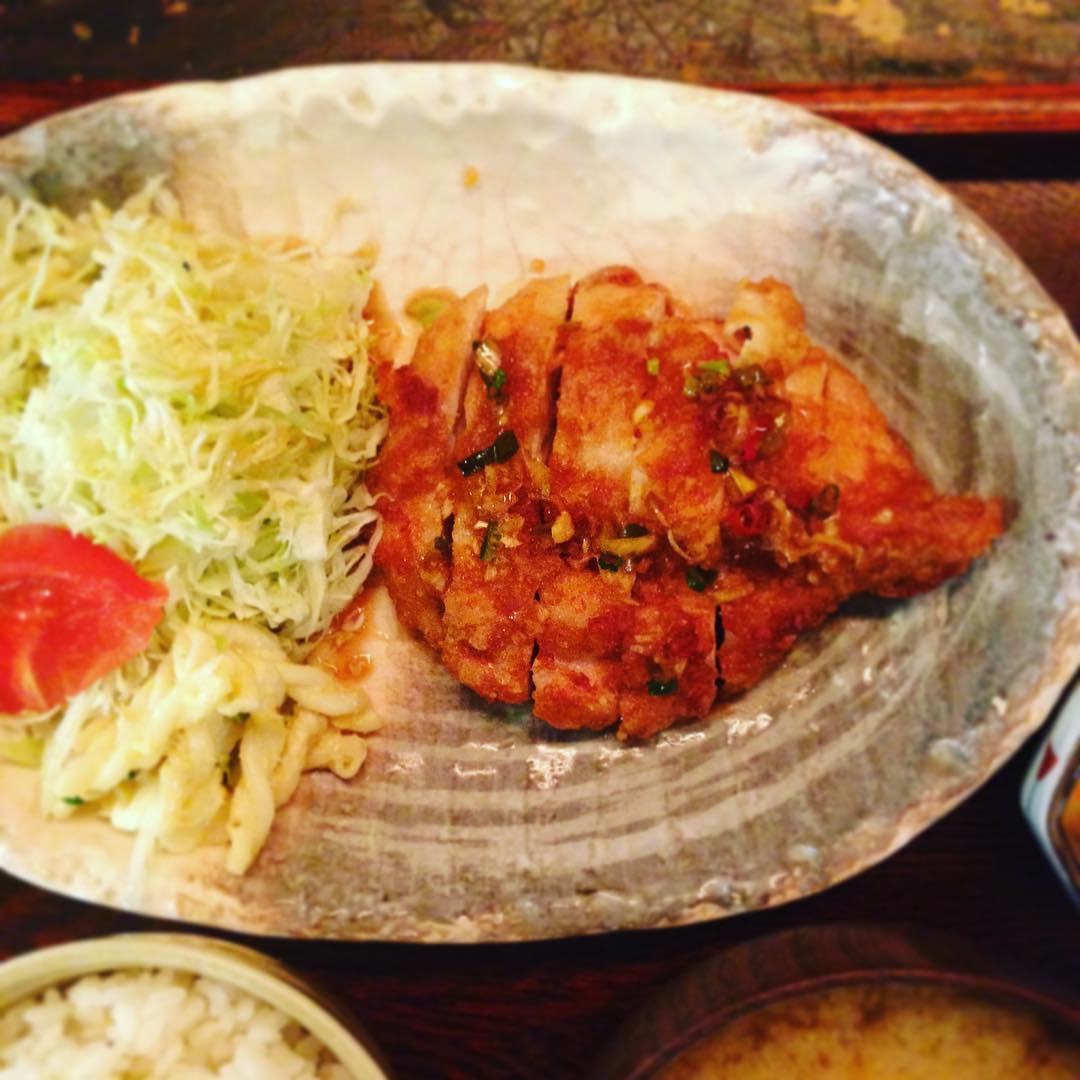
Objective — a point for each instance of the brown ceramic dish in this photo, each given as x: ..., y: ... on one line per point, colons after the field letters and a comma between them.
x: 798, y: 964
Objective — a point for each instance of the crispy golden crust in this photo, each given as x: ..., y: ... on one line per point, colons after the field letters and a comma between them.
x: 680, y: 498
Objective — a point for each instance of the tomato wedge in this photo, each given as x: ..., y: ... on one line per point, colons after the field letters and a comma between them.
x: 70, y: 611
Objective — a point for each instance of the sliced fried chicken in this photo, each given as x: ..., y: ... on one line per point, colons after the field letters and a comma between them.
x: 761, y: 627
x: 627, y: 511
x: 585, y: 618
x: 669, y: 663
x: 614, y: 646
x: 423, y: 400
x: 677, y: 490
x: 889, y: 531
x: 501, y: 549
x: 604, y: 380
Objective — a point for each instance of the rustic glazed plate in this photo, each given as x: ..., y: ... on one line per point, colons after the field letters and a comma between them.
x: 470, y: 825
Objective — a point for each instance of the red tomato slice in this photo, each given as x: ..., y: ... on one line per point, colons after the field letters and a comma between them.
x: 70, y: 611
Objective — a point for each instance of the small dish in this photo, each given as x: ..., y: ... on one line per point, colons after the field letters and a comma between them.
x: 238, y: 968
x: 802, y: 965
x: 1051, y: 793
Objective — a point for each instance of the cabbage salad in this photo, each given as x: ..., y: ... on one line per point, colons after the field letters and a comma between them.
x: 202, y: 405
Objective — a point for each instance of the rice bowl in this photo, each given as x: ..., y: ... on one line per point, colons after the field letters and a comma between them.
x: 180, y: 1004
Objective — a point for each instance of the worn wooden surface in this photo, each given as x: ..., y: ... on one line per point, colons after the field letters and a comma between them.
x: 893, y: 110
x: 1041, y: 222
x: 545, y: 1010
x: 786, y: 41
x: 880, y: 65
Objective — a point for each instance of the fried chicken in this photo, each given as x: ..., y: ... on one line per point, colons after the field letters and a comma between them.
x: 622, y: 510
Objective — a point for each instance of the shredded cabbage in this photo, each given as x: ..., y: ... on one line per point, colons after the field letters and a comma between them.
x: 199, y: 404
x: 202, y: 405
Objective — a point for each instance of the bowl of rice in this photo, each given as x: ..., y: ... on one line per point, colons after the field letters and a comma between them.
x: 170, y: 1005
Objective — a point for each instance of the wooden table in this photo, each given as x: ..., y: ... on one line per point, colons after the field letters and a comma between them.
x: 546, y: 1009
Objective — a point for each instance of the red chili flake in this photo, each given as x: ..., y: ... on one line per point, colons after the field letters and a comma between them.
x: 750, y: 519
x: 753, y: 443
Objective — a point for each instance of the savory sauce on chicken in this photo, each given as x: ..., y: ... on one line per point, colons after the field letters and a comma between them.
x: 621, y: 510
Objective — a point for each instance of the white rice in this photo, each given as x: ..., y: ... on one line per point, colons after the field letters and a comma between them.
x: 151, y: 1024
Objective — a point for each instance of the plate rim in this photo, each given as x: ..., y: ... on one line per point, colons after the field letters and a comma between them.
x: 1055, y: 331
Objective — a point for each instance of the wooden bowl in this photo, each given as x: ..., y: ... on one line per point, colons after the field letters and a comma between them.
x: 794, y: 963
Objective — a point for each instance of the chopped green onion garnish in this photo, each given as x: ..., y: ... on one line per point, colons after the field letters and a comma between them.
x: 699, y: 578
x: 662, y: 687
x: 491, y: 542
x: 495, y: 382
x: 74, y: 800
x: 715, y: 367
x: 504, y: 447
x: 609, y: 562
x: 691, y: 386
x: 652, y: 365
x: 717, y: 462
x: 746, y: 485
x: 500, y: 451
x: 628, y: 547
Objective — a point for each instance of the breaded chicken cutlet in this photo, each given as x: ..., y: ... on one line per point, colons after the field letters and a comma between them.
x: 601, y: 501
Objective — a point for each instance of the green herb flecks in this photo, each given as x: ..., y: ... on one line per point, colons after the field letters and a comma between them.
x: 501, y: 450
x: 715, y: 367
x: 699, y: 578
x: 496, y: 384
x: 489, y: 546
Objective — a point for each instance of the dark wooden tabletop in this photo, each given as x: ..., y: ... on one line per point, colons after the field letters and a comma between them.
x: 923, y: 65
x: 546, y: 1009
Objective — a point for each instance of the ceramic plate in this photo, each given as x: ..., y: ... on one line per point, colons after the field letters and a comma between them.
x: 470, y: 825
